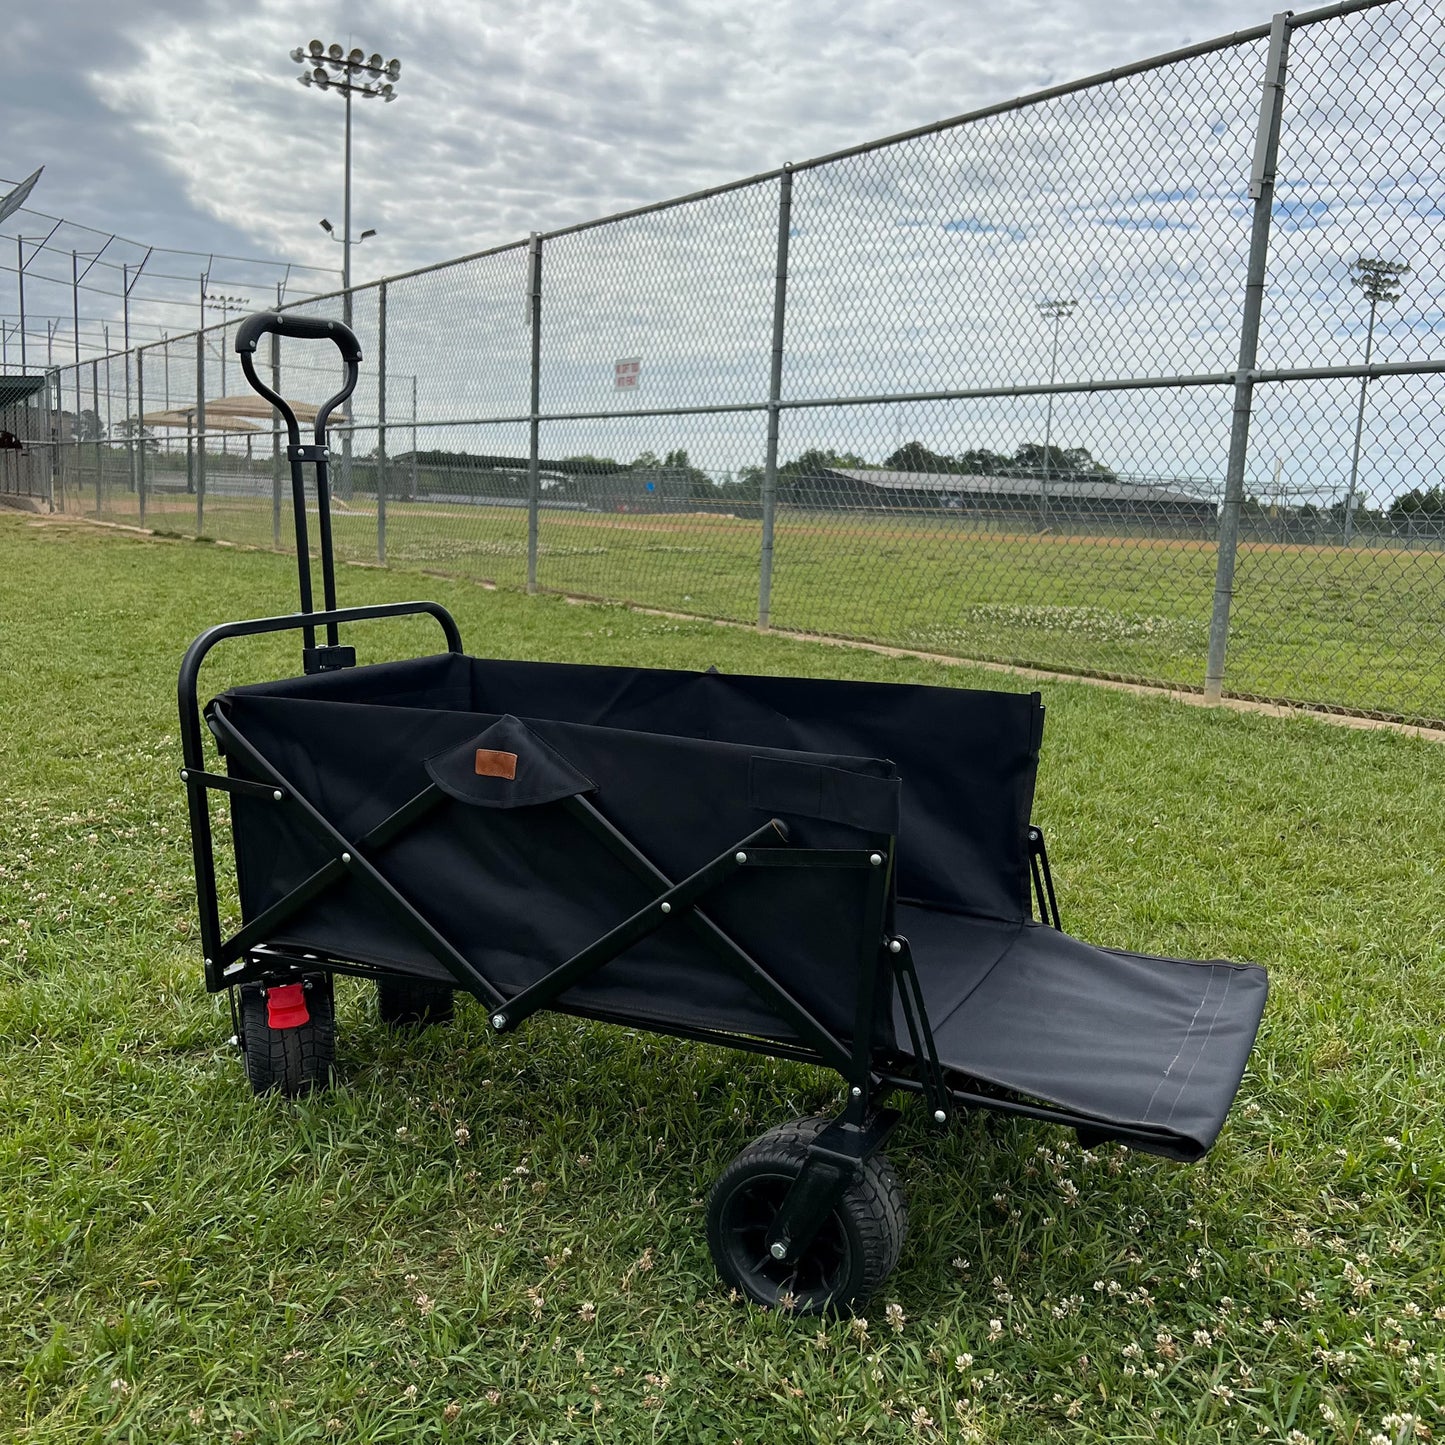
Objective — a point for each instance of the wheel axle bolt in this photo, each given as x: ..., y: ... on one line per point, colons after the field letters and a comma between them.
x: 499, y: 1021
x: 778, y: 1251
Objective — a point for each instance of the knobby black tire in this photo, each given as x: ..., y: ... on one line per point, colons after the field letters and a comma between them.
x: 865, y: 1231
x: 414, y: 1002
x: 292, y: 1061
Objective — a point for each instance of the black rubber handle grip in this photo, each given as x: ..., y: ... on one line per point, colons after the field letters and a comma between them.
x: 308, y: 328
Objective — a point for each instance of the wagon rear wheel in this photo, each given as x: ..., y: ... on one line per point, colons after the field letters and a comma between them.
x: 291, y: 1061
x: 419, y: 1002
x: 850, y: 1257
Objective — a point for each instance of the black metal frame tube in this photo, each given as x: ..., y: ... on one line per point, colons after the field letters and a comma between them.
x: 657, y: 913
x: 193, y: 753
x: 832, y: 1052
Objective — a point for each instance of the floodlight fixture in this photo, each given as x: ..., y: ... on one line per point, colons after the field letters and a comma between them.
x: 331, y: 231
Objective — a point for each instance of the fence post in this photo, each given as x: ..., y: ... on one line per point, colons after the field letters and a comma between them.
x: 276, y: 437
x: 51, y: 432
x: 57, y: 426
x: 1261, y: 188
x: 381, y: 423
x: 775, y: 391
x: 139, y: 431
x: 95, y: 408
x: 534, y: 468
x: 200, y: 433
x: 413, y: 437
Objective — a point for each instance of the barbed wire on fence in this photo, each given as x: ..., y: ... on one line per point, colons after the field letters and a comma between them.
x: 73, y: 285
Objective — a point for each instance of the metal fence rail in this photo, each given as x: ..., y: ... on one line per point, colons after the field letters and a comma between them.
x: 1137, y: 377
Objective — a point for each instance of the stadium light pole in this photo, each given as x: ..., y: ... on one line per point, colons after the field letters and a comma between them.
x: 226, y: 305
x: 329, y: 67
x: 1380, y: 281
x: 1054, y: 309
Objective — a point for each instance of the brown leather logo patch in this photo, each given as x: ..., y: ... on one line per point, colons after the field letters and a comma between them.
x: 496, y: 765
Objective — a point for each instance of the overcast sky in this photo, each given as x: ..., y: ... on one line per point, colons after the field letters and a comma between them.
x: 181, y: 123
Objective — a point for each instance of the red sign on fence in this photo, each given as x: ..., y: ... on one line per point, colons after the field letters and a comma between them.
x: 626, y: 372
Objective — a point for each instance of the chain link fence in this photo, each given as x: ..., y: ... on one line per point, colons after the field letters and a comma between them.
x: 1136, y: 378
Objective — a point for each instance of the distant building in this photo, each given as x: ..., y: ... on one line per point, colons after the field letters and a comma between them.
x: 1070, y: 498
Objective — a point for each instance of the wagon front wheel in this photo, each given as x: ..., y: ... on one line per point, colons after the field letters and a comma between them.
x: 295, y: 1060
x: 853, y: 1252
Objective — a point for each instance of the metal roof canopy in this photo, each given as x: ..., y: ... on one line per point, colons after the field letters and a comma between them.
x: 1062, y: 487
x: 254, y: 406
x: 15, y: 389
x: 186, y: 421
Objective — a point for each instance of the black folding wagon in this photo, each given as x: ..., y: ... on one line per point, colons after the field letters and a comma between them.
x: 836, y: 872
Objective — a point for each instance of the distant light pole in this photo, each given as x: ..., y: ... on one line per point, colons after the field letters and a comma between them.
x: 1054, y: 309
x: 226, y: 305
x: 1380, y: 281
x: 328, y: 67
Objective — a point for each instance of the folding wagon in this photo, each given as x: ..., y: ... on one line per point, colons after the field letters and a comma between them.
x: 840, y: 873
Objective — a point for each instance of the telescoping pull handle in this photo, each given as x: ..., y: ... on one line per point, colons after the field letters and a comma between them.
x: 309, y: 328
x: 304, y: 328
x: 312, y: 328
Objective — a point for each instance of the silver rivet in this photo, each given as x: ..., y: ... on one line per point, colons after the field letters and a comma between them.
x: 346, y: 857
x: 277, y: 795
x: 499, y: 1021
x: 185, y: 776
x: 778, y: 1250
x: 875, y: 859
x: 667, y: 908
x: 939, y: 1117
x: 740, y: 857
x: 894, y: 946
x: 856, y: 1092
x: 208, y: 963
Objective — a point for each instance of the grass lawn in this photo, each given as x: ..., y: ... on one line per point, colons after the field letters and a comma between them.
x: 474, y: 1238
x: 1362, y: 628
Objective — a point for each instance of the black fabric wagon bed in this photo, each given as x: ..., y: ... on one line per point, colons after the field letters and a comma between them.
x: 836, y: 872
x: 1151, y: 1049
